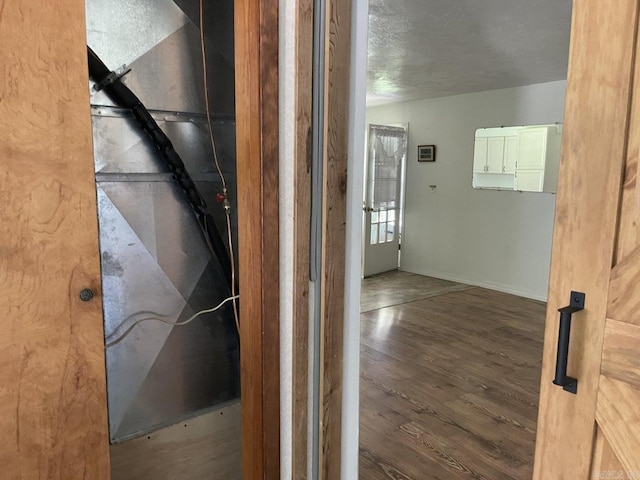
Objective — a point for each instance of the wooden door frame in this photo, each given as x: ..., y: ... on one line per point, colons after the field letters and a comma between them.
x: 257, y: 136
x: 303, y: 112
x: 334, y: 262
x: 256, y: 67
x: 256, y: 44
x: 335, y: 160
x: 334, y: 154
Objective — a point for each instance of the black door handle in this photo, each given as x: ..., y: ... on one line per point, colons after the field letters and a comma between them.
x: 576, y: 303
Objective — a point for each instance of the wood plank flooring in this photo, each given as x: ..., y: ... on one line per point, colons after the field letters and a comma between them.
x: 396, y: 287
x: 449, y: 387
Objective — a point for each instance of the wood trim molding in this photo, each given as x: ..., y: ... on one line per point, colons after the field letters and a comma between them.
x: 256, y: 81
x: 334, y: 216
x: 302, y: 227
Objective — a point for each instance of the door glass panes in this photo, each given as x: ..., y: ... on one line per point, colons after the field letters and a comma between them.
x: 382, y: 236
x: 374, y: 235
x: 382, y: 226
x: 390, y: 231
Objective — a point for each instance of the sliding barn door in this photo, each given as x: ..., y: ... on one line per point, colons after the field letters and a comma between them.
x: 594, y: 433
x: 53, y: 418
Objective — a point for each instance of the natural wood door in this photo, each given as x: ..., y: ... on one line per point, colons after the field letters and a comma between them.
x: 596, y: 250
x: 53, y: 415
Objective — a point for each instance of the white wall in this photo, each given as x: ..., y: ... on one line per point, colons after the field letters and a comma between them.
x: 286, y: 71
x: 497, y: 239
x: 353, y: 253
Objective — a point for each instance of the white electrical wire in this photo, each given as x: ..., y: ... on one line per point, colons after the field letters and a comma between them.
x: 215, y: 159
x: 173, y: 324
x: 233, y: 275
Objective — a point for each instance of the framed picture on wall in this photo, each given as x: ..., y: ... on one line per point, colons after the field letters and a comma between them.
x: 426, y: 153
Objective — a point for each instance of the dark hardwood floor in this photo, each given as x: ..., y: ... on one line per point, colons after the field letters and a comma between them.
x: 449, y: 387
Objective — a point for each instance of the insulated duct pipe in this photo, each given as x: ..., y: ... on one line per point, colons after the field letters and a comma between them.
x: 125, y: 98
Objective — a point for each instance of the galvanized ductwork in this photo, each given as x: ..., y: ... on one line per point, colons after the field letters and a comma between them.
x: 155, y: 259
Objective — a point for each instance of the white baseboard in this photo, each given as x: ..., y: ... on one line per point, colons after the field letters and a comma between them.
x: 468, y: 281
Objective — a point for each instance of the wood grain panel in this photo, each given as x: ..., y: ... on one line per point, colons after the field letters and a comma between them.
x: 53, y: 416
x: 629, y: 232
x: 618, y: 440
x: 618, y: 417
x: 208, y: 446
x: 256, y: 76
x: 336, y: 128
x: 596, y: 121
x: 605, y: 462
x: 620, y: 358
x: 270, y: 138
x: 624, y: 300
x: 302, y: 227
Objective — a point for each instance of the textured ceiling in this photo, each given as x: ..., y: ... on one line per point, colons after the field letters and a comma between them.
x: 435, y: 48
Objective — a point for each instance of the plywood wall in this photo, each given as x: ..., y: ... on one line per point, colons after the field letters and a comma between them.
x: 53, y: 417
x: 205, y: 447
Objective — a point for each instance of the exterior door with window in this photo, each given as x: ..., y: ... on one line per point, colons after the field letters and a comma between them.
x: 382, y: 206
x: 594, y: 433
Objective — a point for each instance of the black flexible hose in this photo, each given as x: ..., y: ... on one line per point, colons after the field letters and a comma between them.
x: 125, y: 98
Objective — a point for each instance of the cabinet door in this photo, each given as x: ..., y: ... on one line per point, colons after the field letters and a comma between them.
x: 510, y: 154
x: 529, y: 180
x: 480, y: 155
x: 495, y: 154
x: 532, y: 148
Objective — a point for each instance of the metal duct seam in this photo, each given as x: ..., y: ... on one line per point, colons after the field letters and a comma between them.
x: 125, y: 98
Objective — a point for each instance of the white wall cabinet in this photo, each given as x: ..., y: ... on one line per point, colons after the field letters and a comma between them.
x: 532, y: 148
x: 538, y: 158
x: 529, y: 180
x: 493, y: 158
x: 495, y: 155
x: 510, y: 154
x: 517, y: 158
x: 480, y: 155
